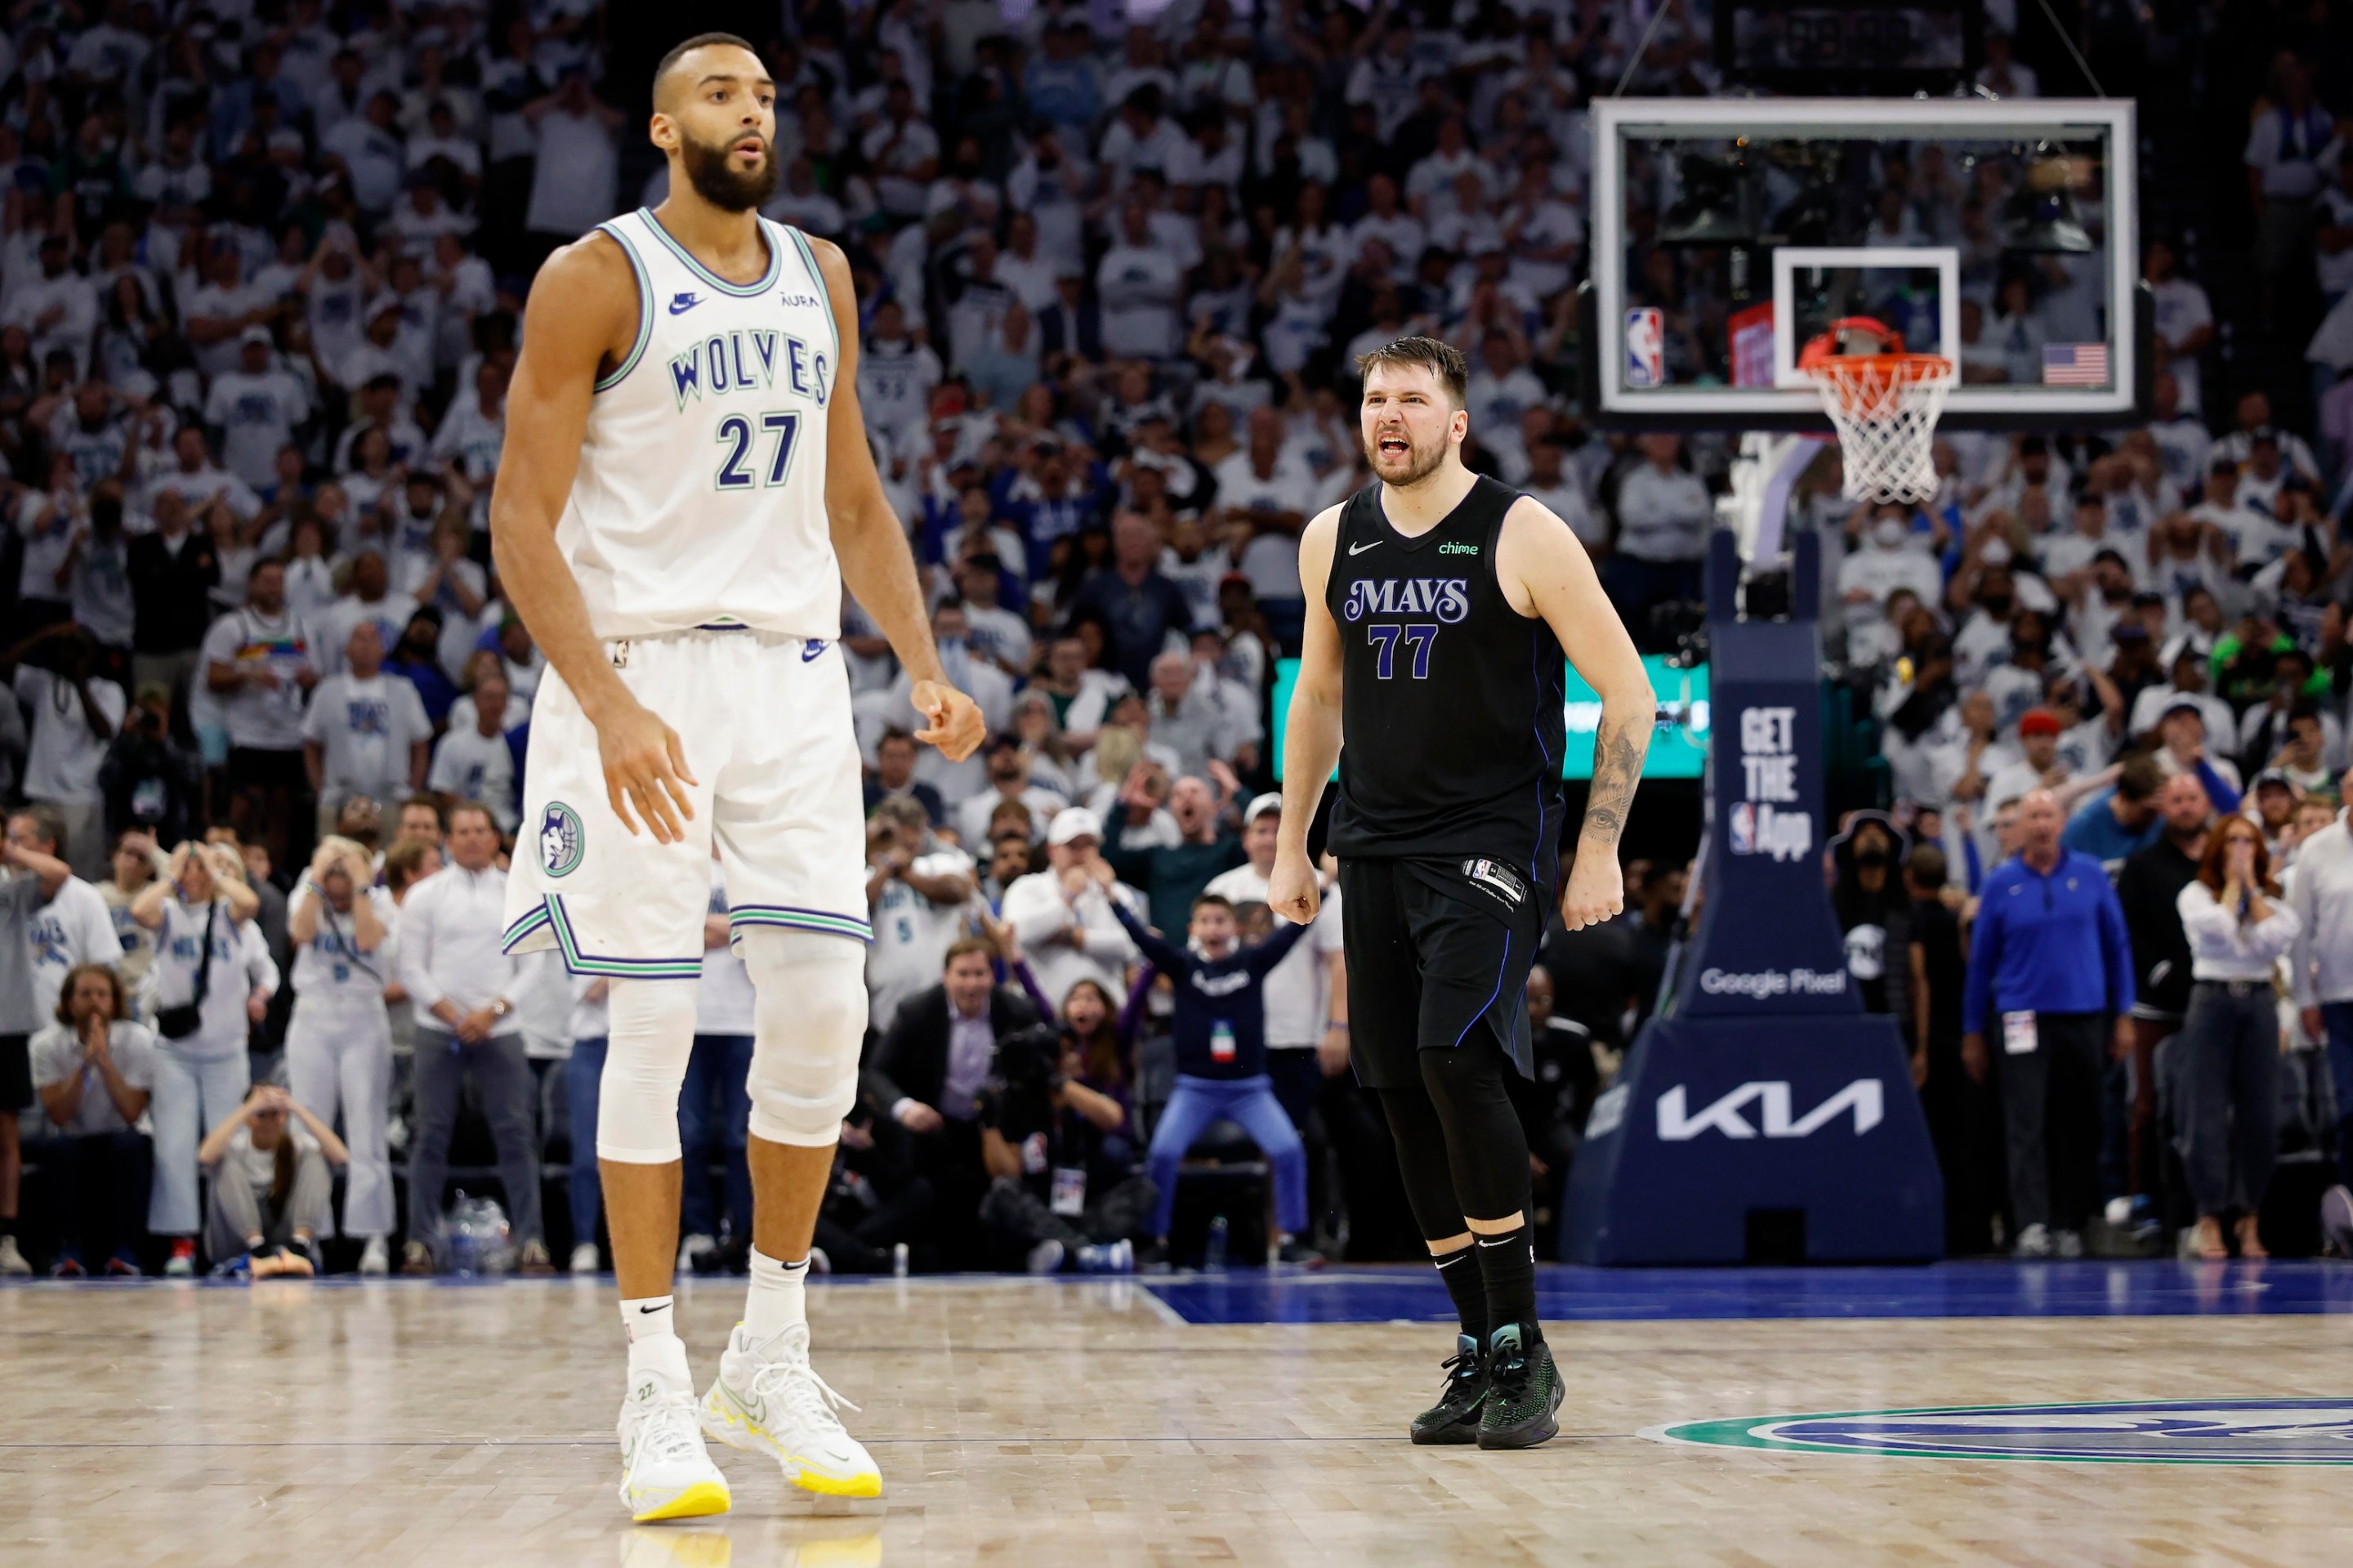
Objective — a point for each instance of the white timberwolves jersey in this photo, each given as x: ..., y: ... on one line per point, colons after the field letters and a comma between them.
x: 700, y: 494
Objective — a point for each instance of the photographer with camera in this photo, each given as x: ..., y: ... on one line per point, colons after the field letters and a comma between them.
x: 339, y: 1040
x: 1054, y: 1192
x: 151, y: 782
x: 215, y: 979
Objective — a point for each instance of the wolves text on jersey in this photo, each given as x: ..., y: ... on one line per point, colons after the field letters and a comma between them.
x: 742, y: 361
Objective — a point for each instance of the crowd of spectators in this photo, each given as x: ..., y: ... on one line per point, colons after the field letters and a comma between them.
x: 261, y: 267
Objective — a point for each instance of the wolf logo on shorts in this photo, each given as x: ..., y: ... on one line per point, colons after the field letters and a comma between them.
x: 560, y: 843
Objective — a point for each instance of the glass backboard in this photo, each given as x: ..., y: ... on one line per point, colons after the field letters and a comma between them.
x: 1726, y: 232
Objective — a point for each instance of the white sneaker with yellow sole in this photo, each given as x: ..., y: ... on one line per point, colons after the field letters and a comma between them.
x: 767, y: 1398
x: 665, y: 1473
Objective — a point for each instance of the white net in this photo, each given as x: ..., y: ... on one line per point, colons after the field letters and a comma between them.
x: 1885, y: 409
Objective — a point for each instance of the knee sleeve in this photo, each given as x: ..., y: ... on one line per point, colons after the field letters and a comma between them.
x: 1486, y: 1149
x: 651, y: 1033
x: 808, y: 1026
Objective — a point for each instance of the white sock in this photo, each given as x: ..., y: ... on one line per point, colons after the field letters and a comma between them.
x: 776, y: 1300
x: 648, y: 1318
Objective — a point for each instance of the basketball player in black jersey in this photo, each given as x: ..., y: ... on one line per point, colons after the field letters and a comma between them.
x: 1442, y: 608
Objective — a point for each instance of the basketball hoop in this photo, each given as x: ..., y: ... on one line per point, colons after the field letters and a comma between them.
x: 1884, y: 406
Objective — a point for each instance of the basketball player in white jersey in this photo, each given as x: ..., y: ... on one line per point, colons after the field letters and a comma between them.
x: 685, y: 490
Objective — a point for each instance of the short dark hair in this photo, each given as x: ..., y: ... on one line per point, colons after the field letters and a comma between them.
x: 700, y: 41
x: 1213, y: 900
x: 1927, y: 867
x: 2140, y: 778
x: 1442, y: 360
x: 890, y: 734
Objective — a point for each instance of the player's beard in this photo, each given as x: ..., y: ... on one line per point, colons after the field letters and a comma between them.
x: 1419, y: 464
x: 712, y: 174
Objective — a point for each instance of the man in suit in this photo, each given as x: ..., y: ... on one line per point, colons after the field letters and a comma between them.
x: 927, y: 1072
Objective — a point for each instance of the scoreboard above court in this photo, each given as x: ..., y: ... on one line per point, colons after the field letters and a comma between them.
x: 1835, y: 48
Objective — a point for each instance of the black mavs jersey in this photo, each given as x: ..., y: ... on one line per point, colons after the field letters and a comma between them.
x: 1451, y: 700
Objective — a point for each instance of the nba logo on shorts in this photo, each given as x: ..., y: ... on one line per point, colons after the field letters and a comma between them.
x: 561, y: 841
x: 1744, y: 829
x: 1646, y: 347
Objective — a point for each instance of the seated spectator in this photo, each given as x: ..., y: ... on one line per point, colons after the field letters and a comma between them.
x: 1220, y: 1037
x: 915, y: 900
x: 1054, y: 1199
x: 269, y: 1162
x: 894, y: 775
x: 1009, y: 782
x: 1061, y: 916
x: 95, y: 1069
x: 926, y: 1075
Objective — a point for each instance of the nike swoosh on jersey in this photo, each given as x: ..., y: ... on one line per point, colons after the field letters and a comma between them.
x: 682, y: 303
x: 1360, y: 549
x: 810, y: 651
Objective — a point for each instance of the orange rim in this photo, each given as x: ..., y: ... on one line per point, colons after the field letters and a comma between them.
x: 1864, y: 379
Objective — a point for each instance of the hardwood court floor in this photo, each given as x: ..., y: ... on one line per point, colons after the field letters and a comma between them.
x: 1085, y: 1424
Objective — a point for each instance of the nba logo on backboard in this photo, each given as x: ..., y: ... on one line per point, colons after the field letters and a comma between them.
x: 1646, y: 347
x: 1744, y: 829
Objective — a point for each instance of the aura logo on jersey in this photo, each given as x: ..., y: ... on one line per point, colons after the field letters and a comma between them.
x: 740, y: 361
x: 561, y: 840
x: 2152, y: 1431
x: 1447, y: 598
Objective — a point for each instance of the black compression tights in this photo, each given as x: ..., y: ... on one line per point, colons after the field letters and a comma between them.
x: 1459, y: 1146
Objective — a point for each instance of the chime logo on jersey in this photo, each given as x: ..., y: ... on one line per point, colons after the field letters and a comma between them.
x: 561, y: 840
x: 1447, y: 598
x: 742, y: 361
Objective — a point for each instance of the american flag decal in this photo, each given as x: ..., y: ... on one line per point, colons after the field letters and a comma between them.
x: 2074, y: 364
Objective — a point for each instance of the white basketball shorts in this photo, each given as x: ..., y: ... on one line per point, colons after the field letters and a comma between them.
x: 766, y: 724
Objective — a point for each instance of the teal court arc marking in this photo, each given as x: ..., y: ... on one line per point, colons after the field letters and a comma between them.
x: 2143, y: 1432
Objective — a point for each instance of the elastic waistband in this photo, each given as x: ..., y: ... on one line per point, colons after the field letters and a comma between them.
x: 2237, y: 987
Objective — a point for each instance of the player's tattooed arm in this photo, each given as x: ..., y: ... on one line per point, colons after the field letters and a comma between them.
x: 1546, y: 574
x: 1619, y: 747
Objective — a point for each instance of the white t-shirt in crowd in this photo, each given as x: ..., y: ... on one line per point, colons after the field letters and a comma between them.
x: 73, y: 927
x: 62, y: 757
x: 329, y: 968
x: 57, y: 1055
x: 911, y: 936
x: 478, y: 768
x: 261, y: 718
x: 365, y: 730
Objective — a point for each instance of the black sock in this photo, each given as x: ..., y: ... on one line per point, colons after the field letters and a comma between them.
x: 1467, y: 1283
x: 1509, y: 1265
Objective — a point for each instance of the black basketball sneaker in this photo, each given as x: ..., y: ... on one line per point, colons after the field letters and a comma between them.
x: 1524, y: 1390
x: 1455, y: 1417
